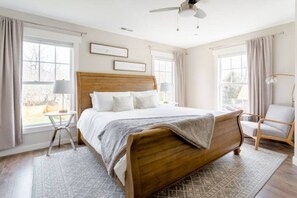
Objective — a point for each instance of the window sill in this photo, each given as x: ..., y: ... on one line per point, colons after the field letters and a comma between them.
x: 43, y: 128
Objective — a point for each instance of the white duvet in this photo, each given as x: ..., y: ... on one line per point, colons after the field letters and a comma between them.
x: 91, y: 122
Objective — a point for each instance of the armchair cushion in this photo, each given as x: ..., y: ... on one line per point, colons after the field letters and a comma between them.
x: 280, y: 113
x: 250, y: 129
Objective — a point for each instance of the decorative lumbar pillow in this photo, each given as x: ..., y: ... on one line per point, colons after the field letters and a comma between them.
x: 140, y: 94
x: 104, y: 100
x: 146, y: 102
x: 122, y: 103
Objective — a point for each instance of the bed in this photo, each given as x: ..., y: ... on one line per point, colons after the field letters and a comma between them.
x: 155, y: 158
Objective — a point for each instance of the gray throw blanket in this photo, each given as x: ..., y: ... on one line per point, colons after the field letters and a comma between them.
x: 195, y: 129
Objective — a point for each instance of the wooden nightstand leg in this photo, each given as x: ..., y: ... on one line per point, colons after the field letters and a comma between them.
x: 52, y: 142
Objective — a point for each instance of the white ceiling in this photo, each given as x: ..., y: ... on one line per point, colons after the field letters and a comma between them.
x: 226, y: 18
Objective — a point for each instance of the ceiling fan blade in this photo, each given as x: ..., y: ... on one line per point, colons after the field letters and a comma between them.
x: 200, y: 14
x: 193, y: 2
x: 164, y: 9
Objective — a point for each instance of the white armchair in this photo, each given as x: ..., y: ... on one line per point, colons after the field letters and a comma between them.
x: 277, y: 125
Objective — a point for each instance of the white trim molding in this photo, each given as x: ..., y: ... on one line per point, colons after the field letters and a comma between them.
x: 294, y: 160
x: 32, y: 147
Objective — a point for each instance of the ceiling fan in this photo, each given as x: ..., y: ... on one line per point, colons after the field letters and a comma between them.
x: 186, y: 9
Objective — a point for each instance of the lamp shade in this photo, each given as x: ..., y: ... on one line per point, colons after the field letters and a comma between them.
x: 165, y: 87
x: 62, y: 87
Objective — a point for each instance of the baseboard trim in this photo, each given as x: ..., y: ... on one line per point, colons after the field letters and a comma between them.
x: 32, y: 147
x: 295, y: 160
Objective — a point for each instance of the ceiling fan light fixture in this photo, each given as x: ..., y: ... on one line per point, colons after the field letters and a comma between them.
x: 187, y: 13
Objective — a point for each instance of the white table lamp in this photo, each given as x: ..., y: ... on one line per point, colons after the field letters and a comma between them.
x: 62, y: 87
x: 165, y: 87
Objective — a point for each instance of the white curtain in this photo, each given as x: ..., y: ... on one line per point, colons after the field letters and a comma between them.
x: 11, y: 45
x: 180, y: 86
x: 259, y: 55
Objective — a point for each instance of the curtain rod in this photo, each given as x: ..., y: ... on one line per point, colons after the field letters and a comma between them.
x: 49, y: 26
x: 241, y: 43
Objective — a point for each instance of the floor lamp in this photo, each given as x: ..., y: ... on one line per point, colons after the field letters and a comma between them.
x: 273, y: 80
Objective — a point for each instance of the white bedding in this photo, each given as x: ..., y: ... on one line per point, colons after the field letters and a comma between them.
x: 91, y: 122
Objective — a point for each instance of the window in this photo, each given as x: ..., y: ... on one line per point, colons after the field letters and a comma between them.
x: 164, y: 73
x: 233, y: 82
x: 43, y: 63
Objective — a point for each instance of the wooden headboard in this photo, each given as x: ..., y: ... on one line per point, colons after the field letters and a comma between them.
x: 89, y: 82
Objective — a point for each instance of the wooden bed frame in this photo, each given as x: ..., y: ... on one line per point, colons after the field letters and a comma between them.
x: 158, y: 158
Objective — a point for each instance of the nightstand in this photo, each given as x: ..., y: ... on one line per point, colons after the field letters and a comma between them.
x: 59, y: 127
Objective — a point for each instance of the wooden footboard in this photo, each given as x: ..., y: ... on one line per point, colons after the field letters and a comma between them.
x: 158, y: 158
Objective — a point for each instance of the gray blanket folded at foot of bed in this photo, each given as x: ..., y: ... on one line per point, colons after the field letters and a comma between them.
x: 195, y: 129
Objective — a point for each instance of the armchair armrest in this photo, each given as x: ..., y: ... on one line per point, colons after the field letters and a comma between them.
x: 276, y: 121
x: 251, y: 114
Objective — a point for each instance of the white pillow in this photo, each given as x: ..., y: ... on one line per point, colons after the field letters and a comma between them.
x: 123, y: 103
x: 92, y: 99
x: 139, y: 94
x: 104, y: 100
x: 146, y: 102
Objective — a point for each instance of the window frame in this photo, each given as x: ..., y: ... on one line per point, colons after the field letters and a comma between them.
x: 220, y: 84
x: 43, y: 127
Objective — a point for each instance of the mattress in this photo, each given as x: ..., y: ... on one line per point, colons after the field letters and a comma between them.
x: 91, y: 122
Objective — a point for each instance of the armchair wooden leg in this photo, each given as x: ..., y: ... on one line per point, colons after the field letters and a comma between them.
x: 257, y: 143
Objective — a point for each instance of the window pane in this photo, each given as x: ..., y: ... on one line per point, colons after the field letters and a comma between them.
x: 162, y: 65
x: 226, y: 76
x: 169, y: 77
x: 63, y: 72
x: 30, y: 71
x: 236, y: 61
x: 225, y: 63
x: 162, y: 77
x: 47, y: 72
x: 244, y: 76
x: 37, y: 100
x: 47, y: 53
x: 164, y: 73
x: 30, y: 51
x: 236, y: 76
x: 169, y: 67
x: 230, y: 99
x: 244, y: 60
x: 63, y: 55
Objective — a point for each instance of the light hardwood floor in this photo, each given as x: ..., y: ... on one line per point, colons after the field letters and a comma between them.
x: 16, y: 173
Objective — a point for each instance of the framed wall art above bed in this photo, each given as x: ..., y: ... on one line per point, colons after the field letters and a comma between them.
x: 129, y: 66
x: 96, y: 48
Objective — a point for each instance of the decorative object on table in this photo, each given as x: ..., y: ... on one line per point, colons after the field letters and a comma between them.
x: 233, y: 176
x: 273, y: 80
x: 129, y: 66
x: 165, y: 87
x: 278, y: 124
x: 59, y: 127
x: 108, y: 50
x: 62, y: 87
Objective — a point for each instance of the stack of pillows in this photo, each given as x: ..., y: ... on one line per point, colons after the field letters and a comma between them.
x: 124, y: 101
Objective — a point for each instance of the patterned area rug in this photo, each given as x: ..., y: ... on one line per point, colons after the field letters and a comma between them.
x: 79, y: 174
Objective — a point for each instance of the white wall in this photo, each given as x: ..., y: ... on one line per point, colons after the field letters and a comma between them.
x: 201, y: 67
x: 139, y: 51
x: 295, y: 156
